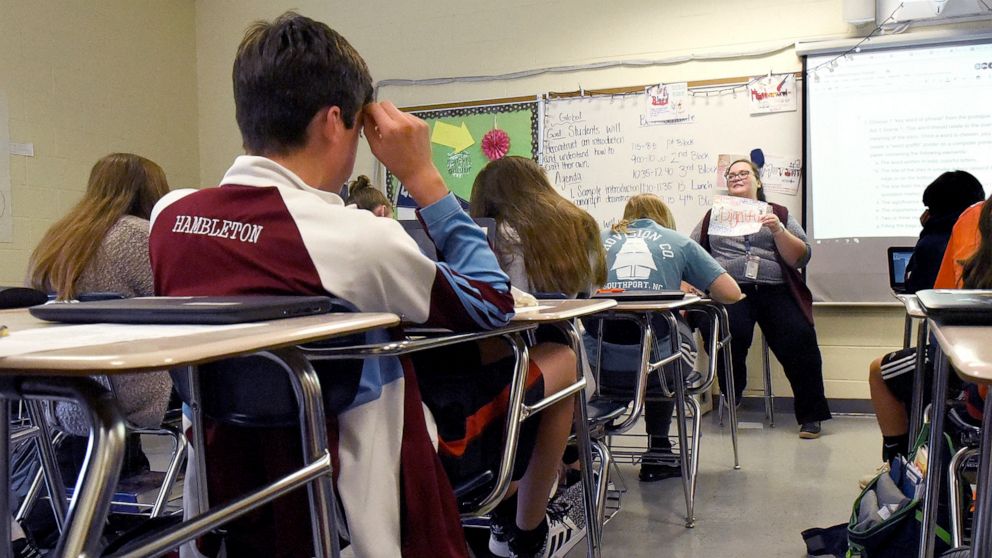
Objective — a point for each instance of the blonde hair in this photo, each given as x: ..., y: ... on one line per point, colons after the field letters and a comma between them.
x: 365, y: 196
x: 645, y: 206
x: 120, y: 184
x: 560, y: 242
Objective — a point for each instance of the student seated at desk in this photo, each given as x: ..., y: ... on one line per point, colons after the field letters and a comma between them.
x: 890, y: 377
x: 645, y: 252
x: 363, y: 195
x: 101, y: 245
x: 276, y: 225
x: 546, y: 244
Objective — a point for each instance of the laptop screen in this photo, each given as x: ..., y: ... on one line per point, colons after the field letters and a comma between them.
x: 898, y: 260
x: 416, y: 230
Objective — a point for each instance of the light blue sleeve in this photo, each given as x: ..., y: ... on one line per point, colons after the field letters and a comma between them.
x: 700, y: 267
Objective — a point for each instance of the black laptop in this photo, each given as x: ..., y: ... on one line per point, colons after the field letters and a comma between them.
x: 957, y: 306
x: 898, y: 260
x: 212, y: 310
x: 416, y: 230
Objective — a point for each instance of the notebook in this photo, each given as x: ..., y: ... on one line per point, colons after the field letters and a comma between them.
x: 212, y: 310
x: 416, y: 231
x: 957, y: 306
x: 639, y: 295
x: 898, y: 260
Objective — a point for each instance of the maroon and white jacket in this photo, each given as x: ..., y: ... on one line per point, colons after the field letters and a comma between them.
x: 264, y: 231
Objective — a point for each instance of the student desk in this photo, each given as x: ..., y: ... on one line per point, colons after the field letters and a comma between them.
x: 915, y: 312
x: 61, y: 374
x: 640, y: 311
x: 967, y: 349
x: 559, y: 313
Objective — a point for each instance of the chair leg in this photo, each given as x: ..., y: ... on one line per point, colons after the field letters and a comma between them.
x: 172, y: 473
x: 769, y: 396
x: 954, y: 491
x: 692, y: 474
x: 602, y: 485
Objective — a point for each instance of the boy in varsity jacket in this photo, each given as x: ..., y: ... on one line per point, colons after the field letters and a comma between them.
x: 276, y: 225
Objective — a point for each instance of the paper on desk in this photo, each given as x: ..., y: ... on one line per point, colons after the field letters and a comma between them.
x: 85, y: 335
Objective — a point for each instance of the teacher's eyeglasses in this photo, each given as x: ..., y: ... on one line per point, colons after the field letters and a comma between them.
x: 738, y: 176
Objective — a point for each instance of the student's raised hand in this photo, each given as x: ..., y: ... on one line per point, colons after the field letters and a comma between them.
x: 402, y: 142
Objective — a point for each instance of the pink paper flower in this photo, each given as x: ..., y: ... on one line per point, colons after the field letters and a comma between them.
x: 495, y: 144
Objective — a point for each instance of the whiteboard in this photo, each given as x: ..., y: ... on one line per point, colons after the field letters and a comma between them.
x: 598, y: 151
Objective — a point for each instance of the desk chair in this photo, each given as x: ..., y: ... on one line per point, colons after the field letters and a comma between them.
x: 612, y: 409
x: 769, y: 396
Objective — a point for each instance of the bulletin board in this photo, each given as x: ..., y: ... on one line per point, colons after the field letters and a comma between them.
x: 465, y: 137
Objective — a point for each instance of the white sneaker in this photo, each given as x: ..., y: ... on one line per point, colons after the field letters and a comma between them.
x: 563, y: 534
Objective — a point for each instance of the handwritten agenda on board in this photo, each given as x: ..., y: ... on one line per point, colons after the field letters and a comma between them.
x: 599, y: 151
x: 736, y: 216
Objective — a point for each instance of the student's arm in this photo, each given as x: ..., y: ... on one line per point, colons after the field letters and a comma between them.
x: 725, y: 290
x: 702, y: 271
x: 468, y: 290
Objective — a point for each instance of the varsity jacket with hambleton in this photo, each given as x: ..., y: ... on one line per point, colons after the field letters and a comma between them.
x: 264, y: 231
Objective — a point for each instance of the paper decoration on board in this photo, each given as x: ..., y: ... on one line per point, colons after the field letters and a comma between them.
x: 723, y: 162
x: 456, y: 137
x: 781, y: 174
x: 666, y: 102
x: 772, y: 93
x: 495, y: 144
x: 733, y: 216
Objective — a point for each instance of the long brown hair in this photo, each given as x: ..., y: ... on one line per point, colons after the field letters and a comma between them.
x: 560, y: 242
x: 976, y: 272
x: 645, y: 206
x: 120, y: 184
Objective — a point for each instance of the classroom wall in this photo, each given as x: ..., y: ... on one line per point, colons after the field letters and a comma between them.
x: 441, y: 38
x: 84, y: 79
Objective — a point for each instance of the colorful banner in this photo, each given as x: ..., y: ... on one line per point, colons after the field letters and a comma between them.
x: 772, y: 93
x: 666, y: 102
x: 734, y: 216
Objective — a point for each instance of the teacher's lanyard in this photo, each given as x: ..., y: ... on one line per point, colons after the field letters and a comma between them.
x: 747, y: 245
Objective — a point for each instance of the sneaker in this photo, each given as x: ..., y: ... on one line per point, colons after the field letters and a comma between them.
x: 651, y: 472
x: 499, y: 536
x: 810, y: 430
x: 562, y: 535
x: 24, y: 549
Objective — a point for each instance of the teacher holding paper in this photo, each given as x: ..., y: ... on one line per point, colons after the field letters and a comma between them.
x: 763, y: 253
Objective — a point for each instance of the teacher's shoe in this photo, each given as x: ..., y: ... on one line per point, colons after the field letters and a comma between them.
x: 810, y: 430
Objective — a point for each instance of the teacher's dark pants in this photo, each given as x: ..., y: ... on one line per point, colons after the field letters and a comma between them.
x: 790, y: 337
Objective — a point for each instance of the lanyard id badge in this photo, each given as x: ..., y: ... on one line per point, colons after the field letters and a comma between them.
x: 751, y: 265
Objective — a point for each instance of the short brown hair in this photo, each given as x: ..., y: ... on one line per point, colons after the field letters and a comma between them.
x: 285, y: 72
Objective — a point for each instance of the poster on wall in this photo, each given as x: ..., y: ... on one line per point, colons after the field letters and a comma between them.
x: 666, y: 102
x: 772, y: 93
x: 781, y: 174
x: 6, y: 213
x: 466, y: 139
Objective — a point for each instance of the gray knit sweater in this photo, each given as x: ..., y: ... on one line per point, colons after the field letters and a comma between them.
x: 121, y: 265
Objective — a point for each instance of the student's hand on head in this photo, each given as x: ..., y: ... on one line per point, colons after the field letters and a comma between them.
x: 401, y: 141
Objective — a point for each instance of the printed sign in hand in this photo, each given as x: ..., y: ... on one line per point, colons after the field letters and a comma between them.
x: 736, y: 216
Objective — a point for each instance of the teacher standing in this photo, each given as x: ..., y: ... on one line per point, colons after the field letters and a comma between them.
x: 766, y: 266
